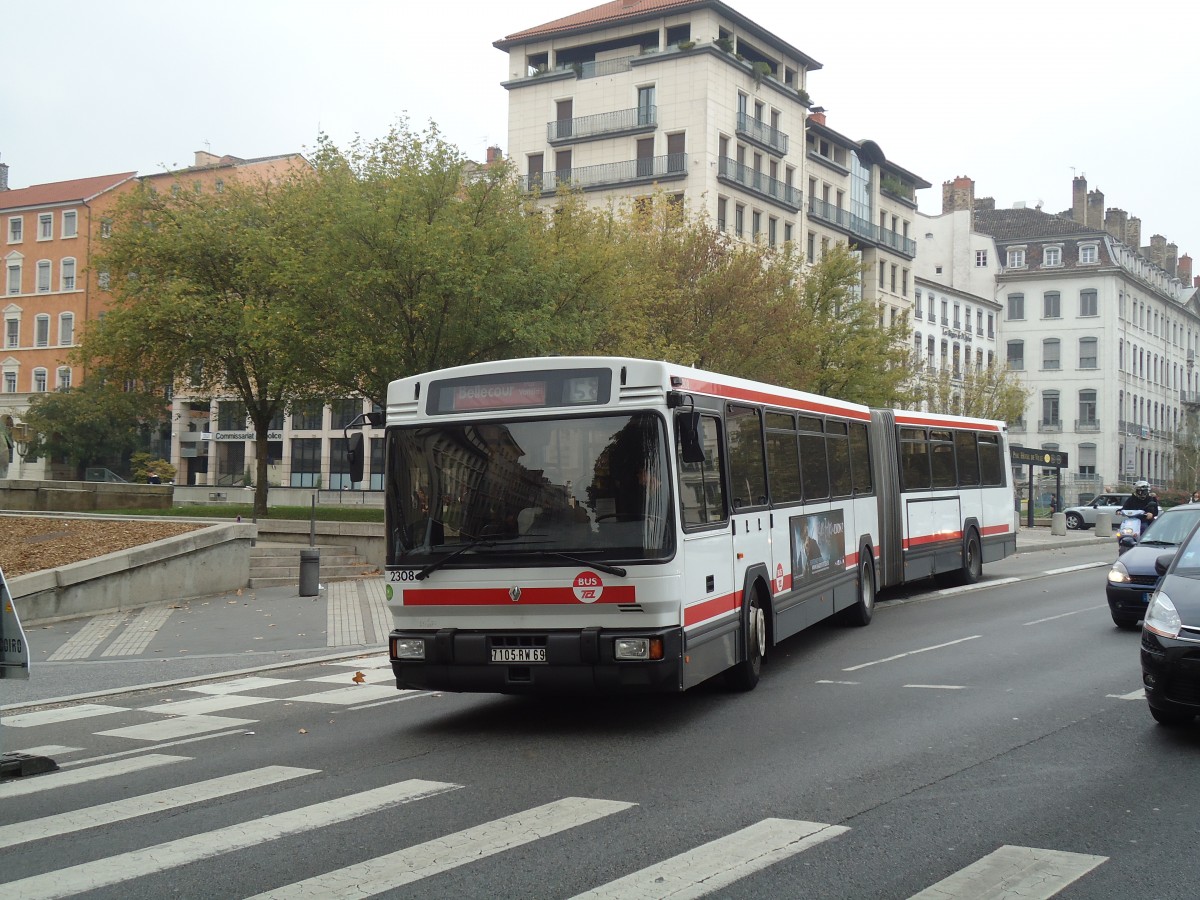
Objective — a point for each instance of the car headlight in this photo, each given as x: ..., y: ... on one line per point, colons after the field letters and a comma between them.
x: 1162, y: 618
x: 1118, y: 574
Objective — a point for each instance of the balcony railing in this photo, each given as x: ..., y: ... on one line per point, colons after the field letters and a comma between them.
x: 761, y: 133
x: 630, y: 171
x: 856, y: 225
x: 584, y: 128
x: 764, y: 185
x: 596, y: 68
x: 1087, y: 424
x: 1050, y: 425
x: 1189, y: 398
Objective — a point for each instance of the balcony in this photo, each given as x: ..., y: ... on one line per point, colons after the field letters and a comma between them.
x: 841, y: 218
x: 1050, y: 425
x: 772, y: 189
x: 1189, y: 398
x: 1087, y: 424
x: 603, y: 125
x: 671, y: 167
x: 770, y: 139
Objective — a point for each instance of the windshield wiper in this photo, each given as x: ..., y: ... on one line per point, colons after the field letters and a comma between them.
x: 434, y: 566
x: 602, y: 566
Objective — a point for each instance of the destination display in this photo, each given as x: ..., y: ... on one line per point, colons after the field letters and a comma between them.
x: 525, y: 390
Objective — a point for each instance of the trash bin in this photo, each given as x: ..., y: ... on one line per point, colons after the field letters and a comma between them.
x: 310, y: 572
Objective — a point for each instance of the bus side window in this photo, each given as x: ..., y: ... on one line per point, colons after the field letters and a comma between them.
x: 701, y: 491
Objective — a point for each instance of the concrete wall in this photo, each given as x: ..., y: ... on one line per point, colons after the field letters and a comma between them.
x: 187, y: 494
x: 208, y: 561
x: 367, y: 538
x: 81, y: 496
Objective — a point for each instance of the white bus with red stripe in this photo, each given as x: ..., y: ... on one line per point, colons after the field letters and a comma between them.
x: 597, y: 523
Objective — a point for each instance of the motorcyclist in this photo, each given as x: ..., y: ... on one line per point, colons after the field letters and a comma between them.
x: 1142, y: 499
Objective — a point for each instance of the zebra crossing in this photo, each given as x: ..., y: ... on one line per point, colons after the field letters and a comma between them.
x: 706, y: 869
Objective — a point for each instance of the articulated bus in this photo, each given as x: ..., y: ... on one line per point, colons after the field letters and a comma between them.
x: 577, y: 524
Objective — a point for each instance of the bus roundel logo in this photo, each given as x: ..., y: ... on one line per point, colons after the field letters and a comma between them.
x: 588, y: 587
x: 779, y: 578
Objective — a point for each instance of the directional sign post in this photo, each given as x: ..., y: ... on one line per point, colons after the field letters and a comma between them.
x: 1047, y: 459
x: 14, y: 663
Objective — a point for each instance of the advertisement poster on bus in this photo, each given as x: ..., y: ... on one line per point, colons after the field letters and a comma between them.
x: 818, y: 545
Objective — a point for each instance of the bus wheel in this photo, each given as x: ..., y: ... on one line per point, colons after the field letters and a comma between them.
x: 744, y: 675
x: 862, y: 611
x: 972, y: 569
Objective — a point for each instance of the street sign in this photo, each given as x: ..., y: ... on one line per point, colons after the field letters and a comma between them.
x: 14, y: 649
x: 1034, y: 457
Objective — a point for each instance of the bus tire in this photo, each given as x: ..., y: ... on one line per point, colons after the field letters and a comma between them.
x: 861, y: 612
x: 744, y: 675
x: 972, y: 569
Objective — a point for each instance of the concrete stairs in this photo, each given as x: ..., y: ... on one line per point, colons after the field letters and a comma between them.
x: 277, y: 564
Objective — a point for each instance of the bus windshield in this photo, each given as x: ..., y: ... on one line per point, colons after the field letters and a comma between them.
x: 501, y: 492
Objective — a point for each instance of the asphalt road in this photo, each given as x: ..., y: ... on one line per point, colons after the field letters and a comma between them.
x: 993, y: 736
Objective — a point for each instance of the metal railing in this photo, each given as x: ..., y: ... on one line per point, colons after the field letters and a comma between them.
x: 641, y: 117
x: 857, y: 225
x: 673, y: 165
x: 764, y: 185
x: 762, y: 133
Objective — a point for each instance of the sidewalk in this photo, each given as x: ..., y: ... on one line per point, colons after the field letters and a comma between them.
x: 1038, y: 537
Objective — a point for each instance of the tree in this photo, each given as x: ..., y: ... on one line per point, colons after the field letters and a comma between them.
x: 992, y: 392
x: 92, y: 425
x: 200, y: 290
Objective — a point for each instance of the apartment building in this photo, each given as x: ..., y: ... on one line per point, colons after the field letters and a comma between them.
x: 1103, y: 329
x: 691, y: 98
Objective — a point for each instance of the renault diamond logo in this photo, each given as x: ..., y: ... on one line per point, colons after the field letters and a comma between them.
x: 514, y: 594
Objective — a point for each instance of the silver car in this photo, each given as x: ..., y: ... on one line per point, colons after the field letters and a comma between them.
x: 1085, y: 516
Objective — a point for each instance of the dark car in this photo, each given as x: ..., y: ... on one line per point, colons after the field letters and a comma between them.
x: 1132, y: 577
x: 1171, y: 636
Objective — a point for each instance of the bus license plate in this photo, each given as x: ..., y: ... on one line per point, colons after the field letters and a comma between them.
x: 518, y: 654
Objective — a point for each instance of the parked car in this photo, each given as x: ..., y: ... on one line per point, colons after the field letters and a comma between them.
x: 1171, y: 636
x: 1132, y: 577
x: 1085, y: 516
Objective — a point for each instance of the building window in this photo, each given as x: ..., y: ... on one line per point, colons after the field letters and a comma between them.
x: 772, y: 228
x: 1087, y: 353
x: 755, y: 224
x: 102, y: 281
x: 957, y: 316
x: 917, y: 305
x: 1088, y: 254
x: 306, y: 462
x: 41, y: 331
x: 981, y: 259
x: 106, y: 225
x: 231, y: 415
x: 1016, y: 307
x: 787, y: 232
x: 739, y: 220
x: 945, y: 316
x: 64, y: 378
x: 16, y: 229
x: 1052, y: 256
x: 67, y: 276
x: 10, y: 382
x: 991, y: 329
x: 1087, y: 407
x: 722, y: 203
x: 812, y: 246
x: 1016, y: 355
x: 66, y: 329
x: 343, y: 412
x: 1050, y: 409
x: 1016, y: 258
x: 1088, y: 305
x: 308, y: 415
x: 43, y: 276
x: 219, y: 186
x: 39, y: 381
x: 12, y: 333
x: 45, y: 226
x: 70, y: 223
x: 1050, y: 353
x: 1051, y: 305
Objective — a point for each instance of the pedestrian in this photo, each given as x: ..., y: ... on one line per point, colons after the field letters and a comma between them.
x: 1053, y: 504
x: 153, y: 478
x: 1196, y: 496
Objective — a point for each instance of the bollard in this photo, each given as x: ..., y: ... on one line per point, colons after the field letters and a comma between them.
x: 1104, y: 525
x: 1058, y: 523
x: 310, y: 572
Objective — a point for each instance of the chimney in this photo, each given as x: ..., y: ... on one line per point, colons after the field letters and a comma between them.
x: 1133, y: 234
x: 1115, y: 222
x: 1078, y: 199
x: 204, y: 158
x: 3, y: 176
x: 1158, y: 251
x: 1095, y: 210
x: 958, y: 194
x: 985, y: 203
x: 817, y: 114
x: 1185, y: 268
x: 494, y: 154
x: 1172, y: 256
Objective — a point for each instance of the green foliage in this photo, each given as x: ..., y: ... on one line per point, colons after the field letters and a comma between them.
x: 989, y: 393
x: 95, y: 424
x: 141, y: 464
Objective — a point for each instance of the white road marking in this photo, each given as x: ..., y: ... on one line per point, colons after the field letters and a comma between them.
x: 393, y: 870
x: 62, y: 714
x: 1014, y: 872
x: 50, y: 750
x: 88, y: 638
x: 1065, y: 569
x: 977, y: 586
x: 162, y: 857
x: 237, y: 685
x: 202, y: 706
x: 911, y: 653
x: 1139, y: 694
x: 132, y: 807
x: 405, y: 695
x: 828, y: 681
x: 52, y: 780
x: 123, y: 753
x: 939, y: 687
x: 375, y: 661
x: 355, y: 693
x: 140, y: 632
x: 168, y: 729
x: 719, y: 863
x: 370, y: 676
x: 1073, y: 612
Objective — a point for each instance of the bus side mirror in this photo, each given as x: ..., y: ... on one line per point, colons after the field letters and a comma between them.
x: 354, y: 456
x: 689, y: 437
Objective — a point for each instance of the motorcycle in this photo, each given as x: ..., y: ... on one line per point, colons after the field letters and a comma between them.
x: 1130, y: 530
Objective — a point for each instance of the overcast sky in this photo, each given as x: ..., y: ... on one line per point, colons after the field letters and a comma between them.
x: 1019, y: 96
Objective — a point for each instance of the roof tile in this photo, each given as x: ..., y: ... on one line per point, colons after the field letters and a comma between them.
x: 61, y: 191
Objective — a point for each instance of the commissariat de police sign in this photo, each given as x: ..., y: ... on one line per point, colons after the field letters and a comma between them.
x: 14, y: 649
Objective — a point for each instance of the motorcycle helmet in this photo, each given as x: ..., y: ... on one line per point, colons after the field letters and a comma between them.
x: 1142, y: 489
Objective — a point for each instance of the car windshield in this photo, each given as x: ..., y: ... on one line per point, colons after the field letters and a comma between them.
x: 1171, y: 527
x: 1187, y: 562
x: 502, y: 492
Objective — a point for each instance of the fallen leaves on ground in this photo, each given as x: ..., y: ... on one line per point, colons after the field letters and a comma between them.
x: 33, y: 543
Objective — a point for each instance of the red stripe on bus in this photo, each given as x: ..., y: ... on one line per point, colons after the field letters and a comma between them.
x: 997, y: 529
x: 935, y: 422
x: 737, y: 393
x: 923, y: 539
x: 711, y: 609
x: 498, y: 596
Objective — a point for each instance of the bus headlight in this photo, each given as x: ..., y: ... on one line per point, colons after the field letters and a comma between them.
x: 638, y: 648
x: 408, y: 648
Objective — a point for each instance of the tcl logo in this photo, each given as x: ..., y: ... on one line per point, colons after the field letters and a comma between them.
x: 588, y: 587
